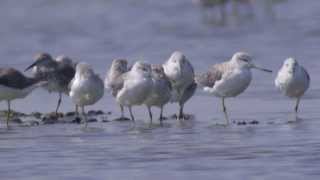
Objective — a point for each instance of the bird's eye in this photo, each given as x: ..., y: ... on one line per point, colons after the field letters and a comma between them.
x: 243, y: 59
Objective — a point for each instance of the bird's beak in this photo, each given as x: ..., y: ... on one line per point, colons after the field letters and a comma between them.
x: 261, y: 69
x: 31, y: 66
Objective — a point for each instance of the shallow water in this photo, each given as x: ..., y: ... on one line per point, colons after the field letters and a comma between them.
x: 99, y: 31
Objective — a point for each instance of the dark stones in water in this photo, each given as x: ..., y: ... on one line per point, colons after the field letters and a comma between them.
x: 243, y: 123
x: 77, y: 120
x: 105, y: 120
x: 51, y: 118
x: 91, y: 120
x: 37, y: 115
x: 185, y: 117
x: 95, y: 113
x: 122, y: 119
x: 69, y: 114
x: 17, y: 120
x: 254, y: 122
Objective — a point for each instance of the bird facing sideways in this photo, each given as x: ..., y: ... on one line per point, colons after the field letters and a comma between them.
x: 137, y: 86
x: 58, y: 73
x: 14, y: 85
x: 180, y: 72
x: 86, y: 88
x: 228, y: 79
x: 114, y: 79
x: 161, y: 91
x: 293, y: 80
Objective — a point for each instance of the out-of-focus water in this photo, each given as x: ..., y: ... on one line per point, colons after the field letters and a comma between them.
x: 98, y: 31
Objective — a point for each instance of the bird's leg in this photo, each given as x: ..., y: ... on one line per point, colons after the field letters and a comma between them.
x: 8, y: 114
x: 161, y: 115
x: 150, y: 114
x: 122, y: 111
x: 297, y: 105
x: 225, y: 111
x: 130, y: 111
x: 59, y: 103
x: 84, y: 117
x: 77, y: 110
x: 181, y: 115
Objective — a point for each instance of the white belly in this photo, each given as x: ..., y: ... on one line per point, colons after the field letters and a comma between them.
x: 86, y: 92
x: 233, y: 84
x: 134, y: 92
x: 7, y: 93
x: 292, y: 85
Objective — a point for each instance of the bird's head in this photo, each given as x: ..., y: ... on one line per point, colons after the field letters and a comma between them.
x: 142, y: 67
x: 177, y: 59
x: 290, y: 65
x: 243, y: 59
x: 120, y: 65
x: 83, y: 69
x: 157, y: 71
x: 42, y: 60
x: 65, y: 60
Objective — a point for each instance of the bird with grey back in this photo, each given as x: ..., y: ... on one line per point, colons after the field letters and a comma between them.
x: 228, y: 79
x: 14, y: 85
x: 137, y: 86
x: 293, y: 80
x: 114, y: 79
x: 161, y: 91
x: 180, y: 72
x: 58, y: 72
x: 86, y: 88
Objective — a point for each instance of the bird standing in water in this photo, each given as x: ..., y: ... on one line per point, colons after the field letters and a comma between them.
x: 114, y: 79
x: 180, y: 73
x: 293, y: 80
x: 58, y: 73
x: 86, y: 88
x: 228, y: 79
x: 161, y: 91
x: 14, y: 85
x: 137, y: 86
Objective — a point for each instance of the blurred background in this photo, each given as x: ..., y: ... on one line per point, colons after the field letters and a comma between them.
x: 207, y: 31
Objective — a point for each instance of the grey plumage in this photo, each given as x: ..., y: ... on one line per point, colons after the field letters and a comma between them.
x: 161, y: 90
x: 115, y: 78
x: 14, y: 85
x: 209, y: 78
x: 181, y: 75
x: 58, y: 73
x: 12, y: 78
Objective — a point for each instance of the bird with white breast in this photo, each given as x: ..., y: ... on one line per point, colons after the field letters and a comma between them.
x: 137, y: 86
x: 86, y: 88
x: 14, y: 85
x: 114, y: 79
x: 229, y: 79
x: 293, y: 80
x: 161, y: 91
x: 180, y: 73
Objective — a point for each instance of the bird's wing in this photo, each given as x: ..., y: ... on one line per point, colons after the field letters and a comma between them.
x: 12, y: 78
x: 188, y: 93
x: 209, y: 78
x: 117, y: 84
x: 306, y: 72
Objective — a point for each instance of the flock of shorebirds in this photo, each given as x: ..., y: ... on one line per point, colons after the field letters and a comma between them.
x: 145, y: 84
